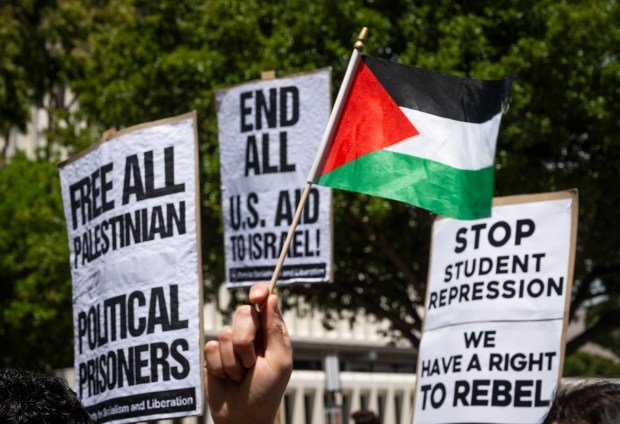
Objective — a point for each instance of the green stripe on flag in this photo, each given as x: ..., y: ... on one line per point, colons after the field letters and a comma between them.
x: 452, y: 192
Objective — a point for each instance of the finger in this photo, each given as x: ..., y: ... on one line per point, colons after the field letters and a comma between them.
x: 276, y: 338
x: 245, y: 327
x: 259, y: 293
x: 216, y: 377
x: 213, y: 360
x: 230, y: 362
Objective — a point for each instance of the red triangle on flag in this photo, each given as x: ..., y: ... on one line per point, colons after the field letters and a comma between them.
x: 370, y: 121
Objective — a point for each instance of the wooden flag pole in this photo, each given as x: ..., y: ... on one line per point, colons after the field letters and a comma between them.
x: 289, y: 236
x: 359, y: 46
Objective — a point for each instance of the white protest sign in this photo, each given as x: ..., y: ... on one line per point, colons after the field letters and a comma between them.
x: 496, y: 311
x: 131, y: 210
x: 269, y: 132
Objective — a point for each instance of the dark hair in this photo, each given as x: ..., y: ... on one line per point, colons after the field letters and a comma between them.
x: 29, y: 398
x: 586, y: 403
x: 364, y: 417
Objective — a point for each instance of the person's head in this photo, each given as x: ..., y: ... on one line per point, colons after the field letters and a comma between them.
x: 587, y: 403
x: 364, y: 417
x: 27, y: 398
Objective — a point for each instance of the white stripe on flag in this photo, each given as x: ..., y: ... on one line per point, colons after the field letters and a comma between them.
x: 458, y: 144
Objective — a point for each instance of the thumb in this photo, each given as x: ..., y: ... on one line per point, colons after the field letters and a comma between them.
x: 276, y: 339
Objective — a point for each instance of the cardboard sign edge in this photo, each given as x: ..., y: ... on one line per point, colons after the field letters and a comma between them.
x: 124, y: 131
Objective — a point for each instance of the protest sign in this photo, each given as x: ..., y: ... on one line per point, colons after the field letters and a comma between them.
x: 269, y: 132
x: 131, y: 208
x: 496, y: 311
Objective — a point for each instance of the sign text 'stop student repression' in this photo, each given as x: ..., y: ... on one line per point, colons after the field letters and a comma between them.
x: 508, y: 267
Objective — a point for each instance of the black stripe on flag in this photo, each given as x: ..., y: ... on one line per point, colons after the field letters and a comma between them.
x: 448, y: 96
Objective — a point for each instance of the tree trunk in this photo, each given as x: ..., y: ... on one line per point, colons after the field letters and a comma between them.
x: 5, y: 147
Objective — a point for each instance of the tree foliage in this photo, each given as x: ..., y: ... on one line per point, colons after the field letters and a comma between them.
x: 41, y: 40
x: 35, y: 293
x: 582, y: 364
x: 131, y: 61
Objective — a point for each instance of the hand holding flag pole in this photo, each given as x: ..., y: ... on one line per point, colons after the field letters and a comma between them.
x: 327, y: 136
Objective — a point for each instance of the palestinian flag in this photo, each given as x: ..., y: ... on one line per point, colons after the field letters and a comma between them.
x: 416, y: 136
